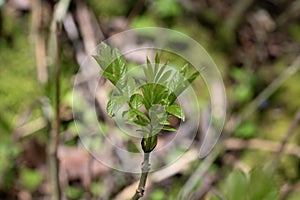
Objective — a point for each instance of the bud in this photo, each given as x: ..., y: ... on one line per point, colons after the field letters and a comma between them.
x: 149, y: 143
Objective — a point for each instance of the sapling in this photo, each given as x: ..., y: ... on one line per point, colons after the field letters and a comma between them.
x: 151, y: 101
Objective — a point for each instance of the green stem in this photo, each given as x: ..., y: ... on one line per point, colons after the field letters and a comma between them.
x: 145, y: 170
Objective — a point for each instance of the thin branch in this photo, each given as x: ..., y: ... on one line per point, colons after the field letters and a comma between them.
x: 54, y: 54
x: 145, y: 170
x: 180, y: 165
x: 54, y: 137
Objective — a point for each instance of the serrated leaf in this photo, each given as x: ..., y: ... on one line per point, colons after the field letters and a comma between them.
x: 114, y: 104
x: 160, y: 72
x: 136, y: 101
x: 147, y: 91
x: 175, y: 81
x: 130, y: 87
x: 176, y: 110
x: 108, y: 76
x: 161, y: 93
x: 105, y: 51
x: 105, y: 58
x: 113, y: 65
x: 141, y: 115
x: 148, y: 71
x: 129, y: 115
x: 165, y: 76
x: 157, y: 114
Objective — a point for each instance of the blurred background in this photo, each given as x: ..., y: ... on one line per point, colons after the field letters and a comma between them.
x: 255, y: 44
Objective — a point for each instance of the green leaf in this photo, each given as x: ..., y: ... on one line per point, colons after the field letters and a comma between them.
x: 193, y: 77
x: 184, y: 69
x: 148, y: 90
x: 148, y: 71
x: 136, y: 101
x: 171, y: 99
x: 141, y: 115
x: 108, y: 76
x: 165, y: 76
x: 157, y: 115
x: 139, y: 123
x: 156, y: 65
x: 129, y: 88
x: 160, y: 95
x: 129, y: 115
x: 175, y: 82
x: 236, y: 185
x: 113, y: 65
x: 166, y: 122
x: 168, y: 128
x: 114, y: 104
x: 105, y: 57
x: 176, y: 110
x: 261, y: 184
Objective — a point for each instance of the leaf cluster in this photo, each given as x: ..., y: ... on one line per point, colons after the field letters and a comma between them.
x: 151, y: 101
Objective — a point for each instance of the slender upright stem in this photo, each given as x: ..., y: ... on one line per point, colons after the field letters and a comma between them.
x: 54, y: 137
x: 145, y: 170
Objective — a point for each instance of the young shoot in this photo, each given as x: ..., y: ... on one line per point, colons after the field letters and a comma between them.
x: 151, y: 101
